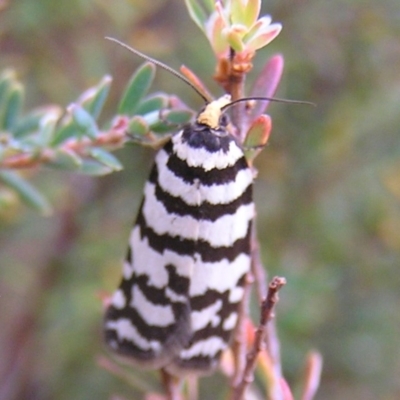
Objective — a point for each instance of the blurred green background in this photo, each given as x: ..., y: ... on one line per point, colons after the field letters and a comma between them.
x: 328, y: 192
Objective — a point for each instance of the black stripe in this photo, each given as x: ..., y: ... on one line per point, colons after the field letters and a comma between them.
x: 128, y: 257
x: 197, y: 174
x: 177, y: 283
x: 151, y: 332
x: 201, y: 363
x: 208, y: 332
x: 204, y: 211
x: 182, y: 246
x: 153, y: 295
x: 198, y: 303
x: 147, y: 331
x: 126, y: 347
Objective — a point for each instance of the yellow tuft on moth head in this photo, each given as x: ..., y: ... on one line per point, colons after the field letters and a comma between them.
x: 212, y: 113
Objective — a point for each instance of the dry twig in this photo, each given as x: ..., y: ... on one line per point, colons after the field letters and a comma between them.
x: 172, y: 385
x: 267, y: 309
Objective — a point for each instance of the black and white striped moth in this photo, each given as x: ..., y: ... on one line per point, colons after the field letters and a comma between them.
x: 189, y: 252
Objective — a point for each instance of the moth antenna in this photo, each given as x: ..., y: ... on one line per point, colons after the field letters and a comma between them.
x: 276, y: 99
x: 159, y: 64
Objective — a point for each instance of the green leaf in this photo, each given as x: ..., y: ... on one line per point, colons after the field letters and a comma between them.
x: 162, y: 128
x: 210, y: 5
x: 152, y: 118
x: 30, y: 123
x: 7, y: 79
x: 92, y: 167
x: 14, y: 106
x: 196, y: 13
x: 84, y: 121
x: 94, y: 98
x: 68, y: 131
x: 138, y: 126
x: 47, y: 126
x: 257, y: 137
x: 65, y: 160
x: 106, y: 158
x: 30, y: 195
x: 178, y: 117
x: 152, y: 103
x: 137, y: 88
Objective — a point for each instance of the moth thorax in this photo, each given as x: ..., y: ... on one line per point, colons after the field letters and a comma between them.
x: 212, y: 113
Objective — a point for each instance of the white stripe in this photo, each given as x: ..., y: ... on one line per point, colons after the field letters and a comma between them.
x: 222, y: 232
x: 200, y: 319
x: 125, y: 330
x: 155, y: 315
x: 195, y: 194
x: 118, y: 299
x: 176, y: 298
x: 230, y: 322
x: 236, y: 294
x: 221, y: 276
x: 151, y: 263
x: 200, y: 157
x: 127, y: 270
x: 207, y: 347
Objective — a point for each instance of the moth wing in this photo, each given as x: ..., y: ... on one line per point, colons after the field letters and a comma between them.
x: 148, y: 320
x: 221, y: 253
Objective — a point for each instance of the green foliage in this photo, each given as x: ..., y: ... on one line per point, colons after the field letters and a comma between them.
x: 72, y: 140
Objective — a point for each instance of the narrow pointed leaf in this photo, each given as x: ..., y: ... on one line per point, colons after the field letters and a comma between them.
x: 178, y: 117
x: 47, y: 127
x: 28, y: 194
x: 262, y: 24
x: 257, y: 137
x: 261, y: 39
x: 237, y: 13
x: 266, y: 84
x: 252, y: 12
x: 210, y: 5
x: 196, y: 13
x: 106, y: 158
x: 65, y: 160
x: 94, y: 98
x: 7, y: 77
x: 84, y: 121
x: 68, y: 131
x: 196, y: 81
x: 31, y: 122
x: 14, y: 106
x: 137, y: 88
x: 152, y: 103
x: 92, y: 167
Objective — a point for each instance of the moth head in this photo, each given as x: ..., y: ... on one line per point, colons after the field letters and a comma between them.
x: 211, y: 115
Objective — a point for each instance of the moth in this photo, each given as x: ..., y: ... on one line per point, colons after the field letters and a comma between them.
x: 189, y: 252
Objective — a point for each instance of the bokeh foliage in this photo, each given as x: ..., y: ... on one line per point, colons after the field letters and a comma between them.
x: 328, y: 192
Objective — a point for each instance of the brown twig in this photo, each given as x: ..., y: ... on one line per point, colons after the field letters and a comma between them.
x: 172, y: 385
x: 271, y: 337
x: 267, y: 309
